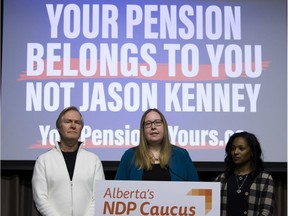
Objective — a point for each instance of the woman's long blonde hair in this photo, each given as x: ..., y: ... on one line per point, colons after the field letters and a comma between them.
x: 142, y: 155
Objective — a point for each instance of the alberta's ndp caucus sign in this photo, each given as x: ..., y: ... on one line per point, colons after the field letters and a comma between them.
x: 153, y: 198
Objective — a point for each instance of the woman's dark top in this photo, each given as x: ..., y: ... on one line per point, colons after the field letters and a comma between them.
x: 156, y: 174
x: 238, y: 202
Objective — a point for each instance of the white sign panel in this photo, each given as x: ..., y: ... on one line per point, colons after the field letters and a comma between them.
x: 157, y: 198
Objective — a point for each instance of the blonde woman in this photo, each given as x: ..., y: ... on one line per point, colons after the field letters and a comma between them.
x: 155, y: 158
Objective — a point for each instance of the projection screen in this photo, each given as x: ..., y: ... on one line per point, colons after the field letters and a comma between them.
x: 212, y: 68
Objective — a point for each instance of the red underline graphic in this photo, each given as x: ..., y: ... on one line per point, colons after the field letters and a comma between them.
x: 204, y: 73
x: 89, y: 145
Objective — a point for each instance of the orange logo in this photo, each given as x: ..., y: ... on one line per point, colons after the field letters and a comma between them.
x: 208, y: 197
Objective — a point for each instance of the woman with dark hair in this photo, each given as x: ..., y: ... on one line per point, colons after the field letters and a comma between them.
x: 246, y: 188
x: 155, y: 158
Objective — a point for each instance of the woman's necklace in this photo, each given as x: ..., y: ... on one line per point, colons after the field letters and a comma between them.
x: 155, y: 159
x: 239, y: 187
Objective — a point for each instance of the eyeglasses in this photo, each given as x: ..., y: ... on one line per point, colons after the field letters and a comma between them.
x: 157, y: 123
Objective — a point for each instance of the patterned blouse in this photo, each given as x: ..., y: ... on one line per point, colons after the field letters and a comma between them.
x: 261, y: 199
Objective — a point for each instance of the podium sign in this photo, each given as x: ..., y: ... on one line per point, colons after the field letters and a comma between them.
x: 169, y: 198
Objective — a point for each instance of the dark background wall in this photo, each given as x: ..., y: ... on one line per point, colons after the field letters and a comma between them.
x: 16, y: 193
